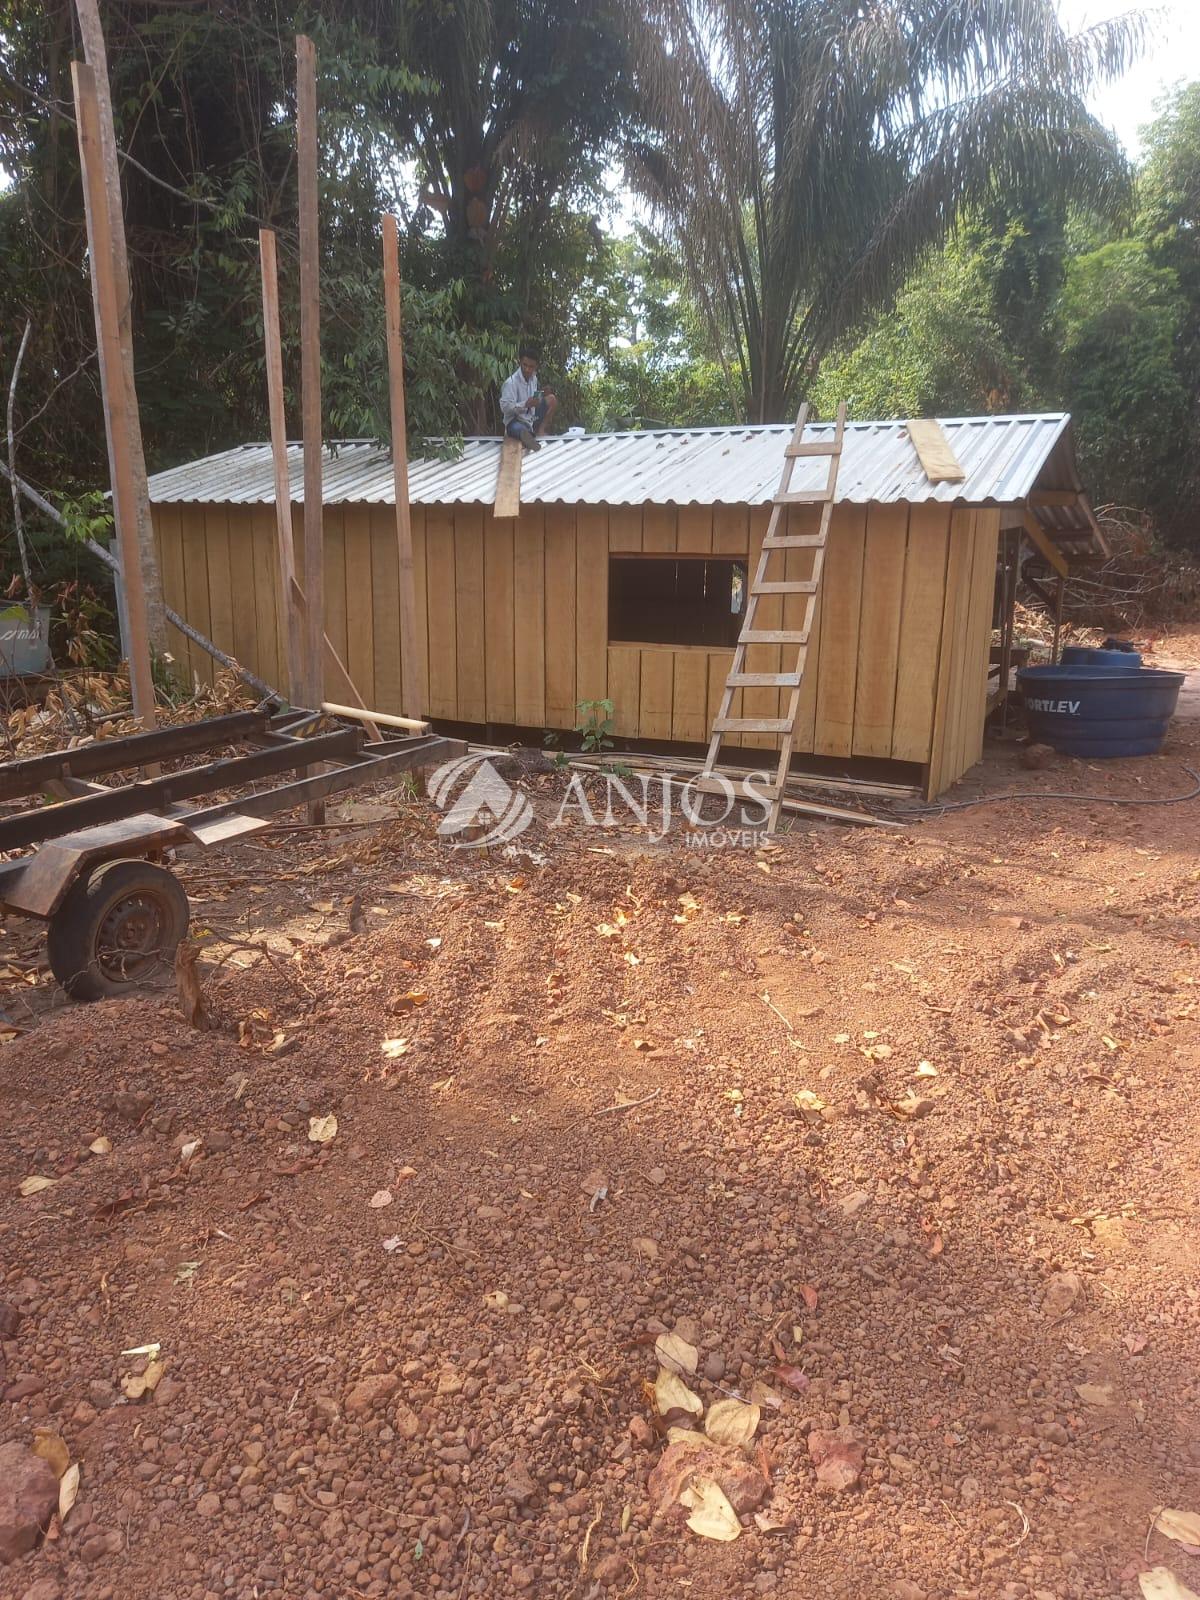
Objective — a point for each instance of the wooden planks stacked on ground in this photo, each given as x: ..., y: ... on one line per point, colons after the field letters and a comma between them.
x: 766, y: 596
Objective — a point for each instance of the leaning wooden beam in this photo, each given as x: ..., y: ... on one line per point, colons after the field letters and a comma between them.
x: 120, y: 417
x: 310, y: 368
x: 412, y: 665
x: 95, y: 54
x: 508, y: 479
x: 933, y: 449
x: 285, y: 550
x: 383, y: 718
x: 1036, y: 535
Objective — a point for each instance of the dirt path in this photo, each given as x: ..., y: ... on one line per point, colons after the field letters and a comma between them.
x: 974, y: 1244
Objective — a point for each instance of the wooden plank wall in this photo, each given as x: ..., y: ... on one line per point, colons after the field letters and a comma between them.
x: 513, y: 618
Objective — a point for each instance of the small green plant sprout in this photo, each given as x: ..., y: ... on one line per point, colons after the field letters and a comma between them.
x: 595, y: 725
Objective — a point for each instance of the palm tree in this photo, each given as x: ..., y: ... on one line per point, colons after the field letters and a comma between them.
x: 804, y: 154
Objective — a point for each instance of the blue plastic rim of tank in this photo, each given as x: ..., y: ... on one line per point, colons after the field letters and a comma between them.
x: 1098, y: 713
x: 1082, y: 655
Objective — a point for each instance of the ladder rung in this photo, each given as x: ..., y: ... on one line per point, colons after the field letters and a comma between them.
x: 773, y: 636
x: 752, y: 724
x: 785, y: 586
x: 802, y: 497
x: 763, y: 680
x: 816, y: 449
x: 794, y: 541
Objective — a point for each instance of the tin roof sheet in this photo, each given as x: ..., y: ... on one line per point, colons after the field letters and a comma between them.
x: 1003, y: 458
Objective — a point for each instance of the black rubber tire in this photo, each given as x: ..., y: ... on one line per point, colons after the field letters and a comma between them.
x: 74, y: 944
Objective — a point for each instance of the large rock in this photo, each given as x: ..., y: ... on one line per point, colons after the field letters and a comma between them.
x: 838, y: 1455
x: 742, y: 1484
x: 371, y: 1392
x: 28, y: 1499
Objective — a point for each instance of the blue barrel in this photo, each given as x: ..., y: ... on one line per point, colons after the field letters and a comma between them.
x: 1098, y: 713
x: 1111, y: 656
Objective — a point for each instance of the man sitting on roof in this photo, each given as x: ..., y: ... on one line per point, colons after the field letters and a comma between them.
x: 526, y: 414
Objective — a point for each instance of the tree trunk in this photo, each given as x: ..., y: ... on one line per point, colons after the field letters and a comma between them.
x: 97, y: 58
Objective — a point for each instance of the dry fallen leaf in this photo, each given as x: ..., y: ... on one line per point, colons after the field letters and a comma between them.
x: 676, y: 1354
x: 395, y: 1048
x: 674, y: 1400
x: 926, y: 1069
x: 765, y: 1522
x: 322, y: 1129
x: 712, y: 1516
x: 732, y: 1422
x: 187, y: 1151
x: 1183, y: 1526
x: 52, y: 1447
x: 101, y: 1146
x: 810, y: 1295
x: 381, y: 1198
x: 808, y: 1102
x: 35, y: 1185
x: 407, y: 1002
x: 496, y: 1300
x: 1161, y: 1584
x: 68, y: 1489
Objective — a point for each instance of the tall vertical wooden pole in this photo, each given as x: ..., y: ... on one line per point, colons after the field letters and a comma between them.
x: 120, y: 422
x: 119, y: 368
x: 412, y: 667
x: 310, y: 369
x: 293, y: 630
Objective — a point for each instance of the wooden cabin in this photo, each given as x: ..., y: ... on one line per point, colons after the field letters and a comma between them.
x: 624, y: 574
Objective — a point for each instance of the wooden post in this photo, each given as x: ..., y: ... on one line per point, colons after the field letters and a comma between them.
x: 412, y: 667
x: 293, y: 634
x: 310, y: 371
x: 117, y: 367
x: 1059, y: 596
x: 120, y: 421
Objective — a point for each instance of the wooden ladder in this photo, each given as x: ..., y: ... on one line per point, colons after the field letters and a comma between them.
x: 774, y: 540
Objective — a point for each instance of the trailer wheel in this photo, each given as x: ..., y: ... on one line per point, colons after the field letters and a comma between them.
x: 115, y: 928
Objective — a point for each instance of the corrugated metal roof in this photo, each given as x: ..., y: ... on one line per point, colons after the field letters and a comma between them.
x: 1002, y: 456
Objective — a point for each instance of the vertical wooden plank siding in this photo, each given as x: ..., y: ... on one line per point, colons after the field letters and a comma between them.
x: 625, y: 687
x: 658, y: 688
x: 499, y: 619
x: 270, y: 655
x: 978, y: 640
x: 385, y: 613
x: 950, y: 651
x: 837, y: 670
x: 335, y: 586
x: 220, y: 587
x: 241, y: 577
x: 659, y: 529
x: 689, y: 696
x: 695, y: 530
x: 879, y: 629
x: 168, y: 525
x: 360, y: 612
x: 195, y: 579
x: 529, y: 606
x: 512, y: 618
x: 625, y: 528
x: 922, y: 602
x: 443, y: 628
x: 421, y: 588
x: 730, y: 537
x: 560, y: 617
x: 591, y: 603
x: 800, y: 563
x: 468, y: 590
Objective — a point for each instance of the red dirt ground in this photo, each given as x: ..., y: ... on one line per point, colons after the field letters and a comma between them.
x: 1020, y: 1426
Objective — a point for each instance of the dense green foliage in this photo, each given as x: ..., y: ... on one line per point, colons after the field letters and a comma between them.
x: 864, y: 193
x: 1051, y: 310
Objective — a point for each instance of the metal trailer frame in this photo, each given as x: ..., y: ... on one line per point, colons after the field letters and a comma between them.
x: 92, y: 828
